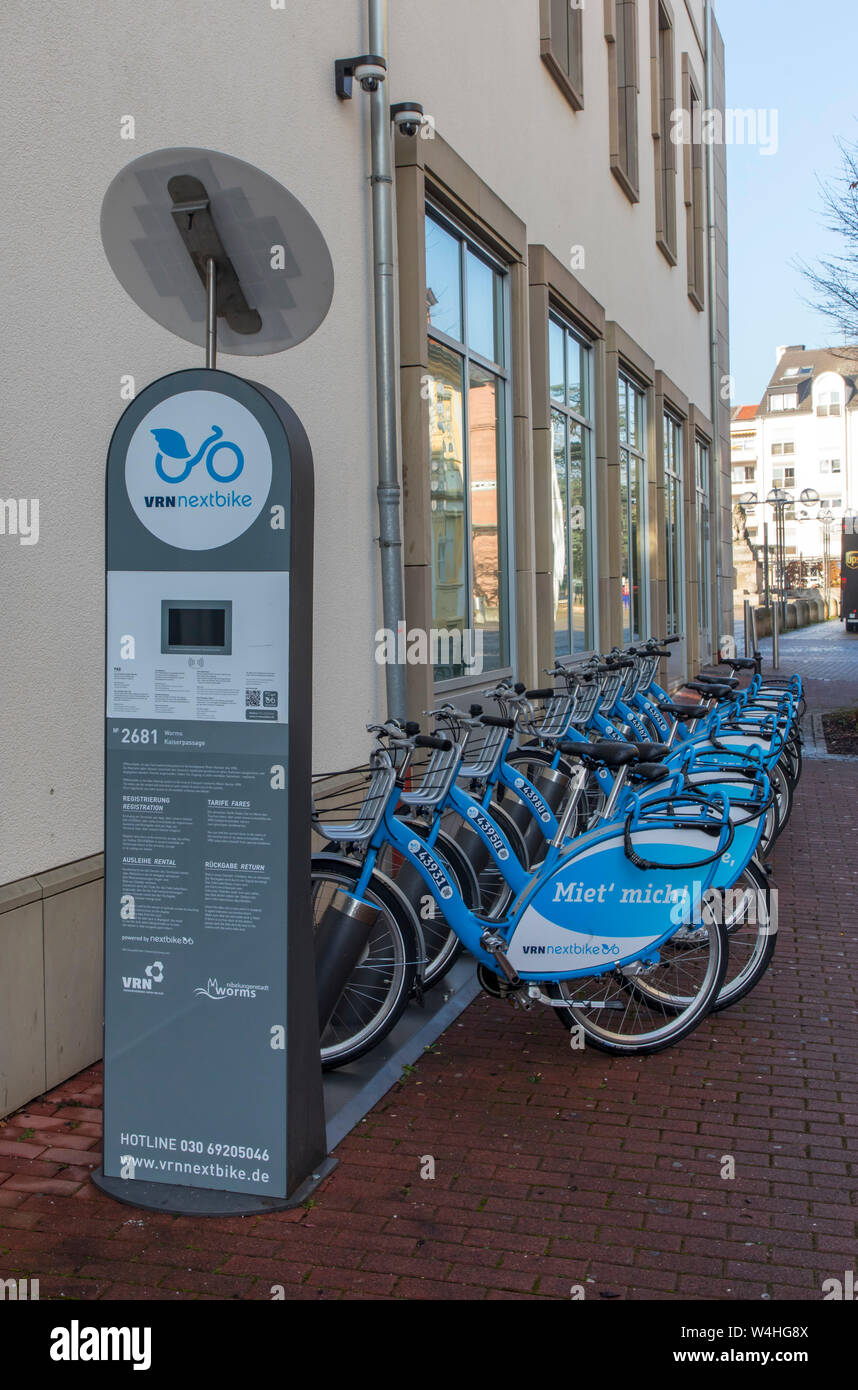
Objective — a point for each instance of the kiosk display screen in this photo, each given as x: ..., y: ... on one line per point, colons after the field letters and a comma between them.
x: 189, y: 627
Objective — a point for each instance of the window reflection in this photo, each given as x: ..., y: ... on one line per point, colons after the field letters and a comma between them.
x: 570, y: 369
x: 485, y: 440
x: 632, y: 430
x: 468, y: 410
x: 447, y: 474
x: 443, y: 280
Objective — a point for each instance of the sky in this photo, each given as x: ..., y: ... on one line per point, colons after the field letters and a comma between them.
x: 800, y: 60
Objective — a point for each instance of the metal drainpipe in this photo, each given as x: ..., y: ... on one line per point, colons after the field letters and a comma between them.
x: 388, y: 489
x: 715, y: 376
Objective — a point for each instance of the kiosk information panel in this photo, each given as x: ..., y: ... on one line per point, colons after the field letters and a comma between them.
x: 212, y: 1072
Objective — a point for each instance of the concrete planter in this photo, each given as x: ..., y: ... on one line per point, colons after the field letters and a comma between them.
x: 51, y: 1010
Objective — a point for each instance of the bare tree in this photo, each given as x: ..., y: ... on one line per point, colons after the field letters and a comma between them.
x: 833, y: 281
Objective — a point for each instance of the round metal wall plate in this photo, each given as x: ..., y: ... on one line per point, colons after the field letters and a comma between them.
x: 279, y: 255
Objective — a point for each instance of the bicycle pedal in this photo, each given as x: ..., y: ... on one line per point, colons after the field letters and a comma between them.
x: 493, y: 943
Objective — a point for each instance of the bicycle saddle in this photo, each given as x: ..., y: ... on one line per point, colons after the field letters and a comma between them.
x: 653, y: 752
x: 740, y: 663
x: 683, y: 711
x: 612, y: 754
x: 719, y: 680
x: 650, y: 772
x: 717, y: 692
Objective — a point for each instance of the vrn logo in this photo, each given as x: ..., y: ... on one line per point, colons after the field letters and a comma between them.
x: 171, y: 445
x: 152, y: 975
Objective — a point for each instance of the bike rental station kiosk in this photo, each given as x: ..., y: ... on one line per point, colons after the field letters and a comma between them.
x: 213, y: 1087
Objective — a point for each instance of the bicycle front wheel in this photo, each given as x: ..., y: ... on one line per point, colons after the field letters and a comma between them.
x: 644, y: 1008
x: 380, y: 984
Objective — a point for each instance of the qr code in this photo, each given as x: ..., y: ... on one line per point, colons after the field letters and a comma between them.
x: 253, y: 698
x: 269, y: 699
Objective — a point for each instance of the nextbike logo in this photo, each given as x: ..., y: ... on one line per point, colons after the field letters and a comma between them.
x: 144, y: 984
x: 492, y: 835
x: 604, y: 950
x: 204, y: 499
x: 525, y: 789
x: 432, y: 867
x: 172, y: 445
x: 200, y: 462
x: 218, y: 992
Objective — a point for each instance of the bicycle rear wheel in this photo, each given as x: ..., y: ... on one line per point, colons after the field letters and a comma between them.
x: 752, y: 933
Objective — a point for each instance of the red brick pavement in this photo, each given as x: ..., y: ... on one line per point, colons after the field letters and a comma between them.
x: 553, y: 1168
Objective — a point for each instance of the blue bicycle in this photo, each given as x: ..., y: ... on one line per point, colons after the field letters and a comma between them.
x: 612, y: 930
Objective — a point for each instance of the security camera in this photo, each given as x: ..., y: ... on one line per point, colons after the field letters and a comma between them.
x: 369, y: 69
x: 407, y: 116
x: 370, y: 72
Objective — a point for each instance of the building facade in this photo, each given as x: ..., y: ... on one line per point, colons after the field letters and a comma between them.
x: 561, y: 275
x: 803, y: 436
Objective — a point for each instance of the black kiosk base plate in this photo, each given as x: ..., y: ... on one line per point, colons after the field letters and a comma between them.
x: 176, y: 1200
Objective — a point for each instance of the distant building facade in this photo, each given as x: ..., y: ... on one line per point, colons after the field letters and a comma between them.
x: 802, y: 435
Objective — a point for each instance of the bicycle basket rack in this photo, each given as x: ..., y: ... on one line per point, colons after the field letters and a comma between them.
x: 646, y: 673
x: 585, y: 703
x: 630, y: 682
x: 482, y: 751
x: 358, y: 792
x: 556, y: 715
x: 431, y: 780
x: 610, y: 689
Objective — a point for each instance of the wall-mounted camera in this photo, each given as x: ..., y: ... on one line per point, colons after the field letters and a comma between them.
x: 369, y: 69
x: 407, y: 116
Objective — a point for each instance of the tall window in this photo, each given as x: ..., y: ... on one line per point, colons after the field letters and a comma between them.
x: 467, y: 297
x: 622, y: 35
x: 560, y: 41
x: 664, y: 96
x: 704, y: 557
x: 694, y: 190
x: 673, y: 540
x: 632, y: 421
x: 571, y: 370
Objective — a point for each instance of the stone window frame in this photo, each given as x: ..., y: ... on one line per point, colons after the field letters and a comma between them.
x: 554, y: 289
x: 621, y: 18
x: 571, y: 83
x: 694, y: 183
x: 663, y: 106
x: 429, y: 171
x: 623, y: 354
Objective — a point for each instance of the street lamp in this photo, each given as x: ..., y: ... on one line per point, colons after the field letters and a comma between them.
x: 827, y: 519
x: 779, y: 499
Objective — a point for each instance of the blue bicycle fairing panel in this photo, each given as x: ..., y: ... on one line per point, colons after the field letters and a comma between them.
x: 598, y: 911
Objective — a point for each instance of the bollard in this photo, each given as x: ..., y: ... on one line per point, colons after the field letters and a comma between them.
x: 776, y: 622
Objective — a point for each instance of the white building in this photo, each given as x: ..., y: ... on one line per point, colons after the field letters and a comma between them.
x: 802, y: 435
x: 564, y: 445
